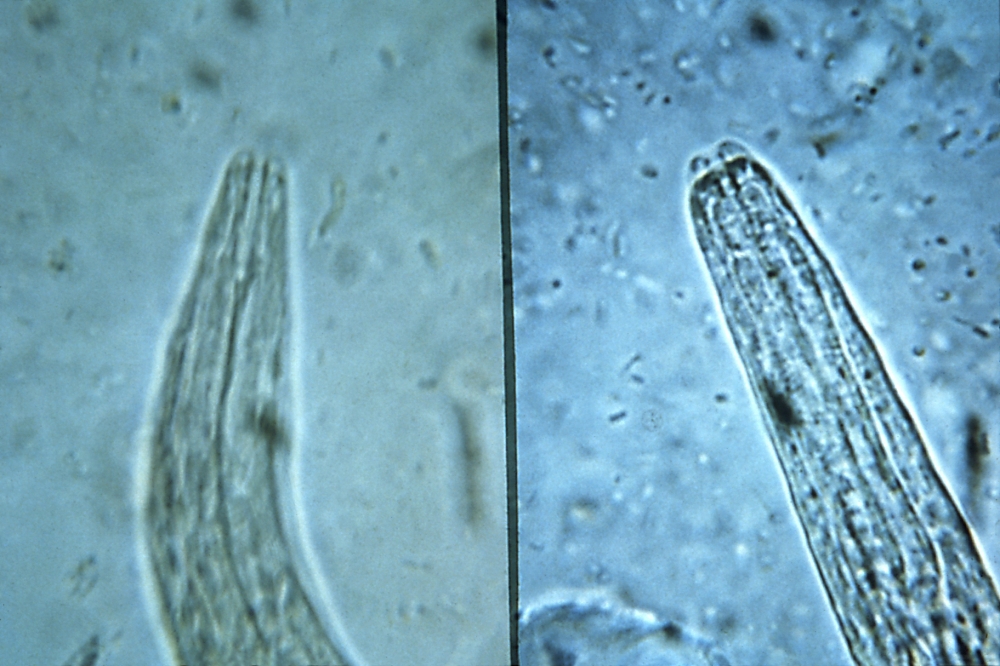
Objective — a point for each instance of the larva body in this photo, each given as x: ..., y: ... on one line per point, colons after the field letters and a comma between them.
x: 899, y: 561
x: 219, y: 561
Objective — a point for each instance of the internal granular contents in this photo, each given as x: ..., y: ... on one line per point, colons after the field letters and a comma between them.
x: 899, y: 562
x: 219, y: 559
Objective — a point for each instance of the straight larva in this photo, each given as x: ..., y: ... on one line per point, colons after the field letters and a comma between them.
x: 219, y: 561
x: 898, y: 560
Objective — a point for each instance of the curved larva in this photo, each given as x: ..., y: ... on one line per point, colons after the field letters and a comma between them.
x: 217, y: 556
x: 900, y: 564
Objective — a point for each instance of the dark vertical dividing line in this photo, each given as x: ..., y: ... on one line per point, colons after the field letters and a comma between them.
x: 996, y: 81
x: 510, y: 393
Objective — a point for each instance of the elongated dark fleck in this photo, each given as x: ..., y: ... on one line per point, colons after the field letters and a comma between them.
x: 899, y: 562
x: 87, y: 654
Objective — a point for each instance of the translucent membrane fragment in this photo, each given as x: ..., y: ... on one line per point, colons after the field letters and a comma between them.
x: 591, y: 628
x: 898, y: 560
x: 219, y: 559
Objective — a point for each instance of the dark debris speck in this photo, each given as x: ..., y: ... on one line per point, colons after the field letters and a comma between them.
x: 61, y: 257
x: 558, y: 655
x: 244, y: 11
x: 762, y: 29
x: 41, y: 15
x: 485, y: 41
x: 549, y: 53
x: 672, y: 631
x: 946, y: 63
x: 170, y: 103
x: 206, y: 75
x: 946, y: 140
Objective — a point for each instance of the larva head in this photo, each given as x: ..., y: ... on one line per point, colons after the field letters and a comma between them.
x: 742, y: 189
x: 714, y: 199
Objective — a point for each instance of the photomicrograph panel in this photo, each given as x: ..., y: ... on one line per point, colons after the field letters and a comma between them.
x: 646, y: 474
x: 379, y: 292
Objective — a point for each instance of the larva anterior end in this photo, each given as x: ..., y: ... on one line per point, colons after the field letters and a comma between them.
x: 899, y: 562
x: 217, y: 551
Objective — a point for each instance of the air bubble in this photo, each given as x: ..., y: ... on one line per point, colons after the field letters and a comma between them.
x: 762, y: 29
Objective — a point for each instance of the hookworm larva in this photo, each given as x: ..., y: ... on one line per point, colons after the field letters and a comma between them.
x: 219, y: 561
x: 900, y: 564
